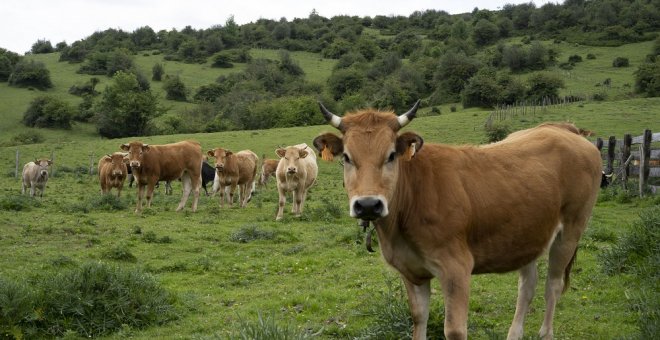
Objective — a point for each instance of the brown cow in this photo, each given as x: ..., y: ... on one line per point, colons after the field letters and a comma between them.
x: 449, y: 212
x: 35, y: 176
x: 153, y: 163
x: 296, y: 172
x: 234, y: 169
x: 268, y: 168
x: 113, y: 172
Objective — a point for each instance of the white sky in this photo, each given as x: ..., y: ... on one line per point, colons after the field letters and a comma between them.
x: 23, y: 22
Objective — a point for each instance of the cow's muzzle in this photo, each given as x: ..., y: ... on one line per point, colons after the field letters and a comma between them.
x: 369, y: 208
x: 135, y: 164
x: 291, y: 170
x: 44, y: 173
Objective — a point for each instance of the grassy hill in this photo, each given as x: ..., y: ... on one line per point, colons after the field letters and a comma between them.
x: 313, y: 273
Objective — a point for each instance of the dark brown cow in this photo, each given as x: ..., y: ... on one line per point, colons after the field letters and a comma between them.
x: 449, y: 212
x: 234, y: 169
x: 113, y: 172
x: 153, y: 163
x: 268, y: 168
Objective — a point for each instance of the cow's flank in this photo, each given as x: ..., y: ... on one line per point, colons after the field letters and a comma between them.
x: 35, y: 176
x: 268, y: 168
x: 449, y: 212
x: 168, y: 162
x: 232, y: 170
x: 112, y: 172
x: 296, y: 172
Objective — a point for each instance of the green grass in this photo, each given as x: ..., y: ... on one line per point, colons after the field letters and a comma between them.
x: 311, y: 275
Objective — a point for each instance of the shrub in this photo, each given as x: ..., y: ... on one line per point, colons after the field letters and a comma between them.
x: 28, y: 137
x: 30, y: 74
x: 591, y: 56
x: 452, y: 108
x: 250, y: 233
x: 575, y: 59
x: 543, y: 85
x: 49, y: 112
x: 17, y: 203
x: 157, y: 72
x: 647, y: 79
x: 497, y: 132
x: 266, y: 328
x: 42, y: 46
x: 620, y: 62
x: 91, y: 300
x: 120, y: 253
x: 222, y: 60
x: 175, y: 89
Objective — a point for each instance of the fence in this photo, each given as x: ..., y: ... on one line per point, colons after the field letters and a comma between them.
x: 18, y: 168
x: 622, y: 160
x: 528, y: 107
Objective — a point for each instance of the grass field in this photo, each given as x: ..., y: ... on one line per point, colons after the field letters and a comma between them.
x: 312, y: 273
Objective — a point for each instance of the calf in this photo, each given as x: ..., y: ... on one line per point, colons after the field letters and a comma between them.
x: 235, y: 169
x: 113, y: 172
x: 268, y: 168
x: 35, y: 176
x: 208, y: 174
x: 153, y: 163
x: 296, y: 172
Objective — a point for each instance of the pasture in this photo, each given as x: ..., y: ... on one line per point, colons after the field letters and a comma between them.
x: 229, y: 266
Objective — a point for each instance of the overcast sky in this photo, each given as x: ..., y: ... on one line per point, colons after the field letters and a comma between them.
x: 23, y: 22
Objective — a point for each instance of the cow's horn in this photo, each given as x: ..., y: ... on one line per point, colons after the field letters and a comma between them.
x: 330, y: 117
x: 405, y: 118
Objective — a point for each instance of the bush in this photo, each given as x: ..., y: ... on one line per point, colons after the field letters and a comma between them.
x: 575, y: 59
x: 28, y: 137
x: 222, y: 60
x: 17, y: 203
x: 543, y: 85
x: 647, y: 79
x: 497, y: 132
x: 591, y: 56
x: 157, y: 72
x: 620, y: 62
x: 120, y: 253
x: 30, y: 74
x: 49, y: 112
x: 251, y: 233
x: 42, y: 46
x: 8, y: 60
x: 91, y: 300
x: 175, y: 89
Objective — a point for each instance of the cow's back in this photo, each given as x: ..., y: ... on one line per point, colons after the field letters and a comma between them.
x: 247, y: 165
x: 168, y: 162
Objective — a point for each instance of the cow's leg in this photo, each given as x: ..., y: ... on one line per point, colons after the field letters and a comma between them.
x: 187, y: 187
x: 562, y: 255
x: 33, y: 189
x: 150, y: 192
x: 42, y: 190
x: 282, y: 202
x: 196, y: 183
x: 526, y: 285
x: 299, y: 197
x: 244, y: 195
x: 140, y: 194
x: 302, y: 201
x: 454, y: 267
x: 119, y: 191
x: 418, y: 300
x: 24, y: 188
x: 232, y: 189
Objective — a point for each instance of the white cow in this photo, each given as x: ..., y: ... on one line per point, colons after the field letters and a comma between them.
x: 35, y: 176
x: 296, y: 172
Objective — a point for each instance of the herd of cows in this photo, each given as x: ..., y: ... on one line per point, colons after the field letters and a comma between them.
x: 440, y: 211
x: 147, y: 165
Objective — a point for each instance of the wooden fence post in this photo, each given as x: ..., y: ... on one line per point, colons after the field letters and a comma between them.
x: 645, y: 157
x: 17, y: 160
x: 625, y: 153
x: 611, y: 145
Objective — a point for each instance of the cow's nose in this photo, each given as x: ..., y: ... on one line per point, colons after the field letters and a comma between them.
x: 368, y: 208
x: 292, y: 170
x: 135, y: 164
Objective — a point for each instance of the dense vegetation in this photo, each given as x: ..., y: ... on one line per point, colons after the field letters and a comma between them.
x: 474, y: 58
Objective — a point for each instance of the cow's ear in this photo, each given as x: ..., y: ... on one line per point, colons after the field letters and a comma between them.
x: 36, y: 161
x: 329, y: 145
x: 210, y: 153
x: 228, y: 153
x: 408, y: 144
x: 107, y: 158
x: 303, y: 153
x: 124, y: 147
x: 50, y: 162
x: 125, y: 160
x: 280, y: 152
x: 145, y: 147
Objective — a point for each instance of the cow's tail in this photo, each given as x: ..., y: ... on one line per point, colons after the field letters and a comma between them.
x: 567, y: 272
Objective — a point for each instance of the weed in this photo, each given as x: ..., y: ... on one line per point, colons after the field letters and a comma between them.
x: 266, y: 328
x: 120, y: 253
x: 250, y: 233
x: 18, y: 203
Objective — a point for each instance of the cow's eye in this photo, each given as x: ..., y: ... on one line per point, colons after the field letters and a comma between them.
x: 391, y: 158
x: 347, y: 160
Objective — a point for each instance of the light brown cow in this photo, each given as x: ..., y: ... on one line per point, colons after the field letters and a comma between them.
x: 296, y: 172
x: 35, y: 176
x: 234, y: 169
x: 268, y: 168
x: 449, y: 212
x: 113, y: 172
x: 153, y: 163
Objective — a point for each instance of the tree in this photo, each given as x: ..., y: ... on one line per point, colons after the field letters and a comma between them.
x: 345, y: 81
x: 647, y: 79
x: 175, y: 89
x: 485, y: 32
x: 222, y: 60
x: 30, y: 73
x: 125, y: 109
x: 49, y: 112
x: 42, y: 46
x: 451, y: 75
x: 482, y: 90
x: 543, y: 85
x: 7, y: 61
x: 157, y: 72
